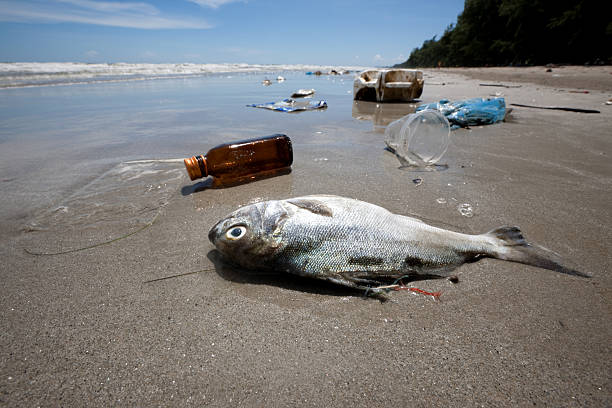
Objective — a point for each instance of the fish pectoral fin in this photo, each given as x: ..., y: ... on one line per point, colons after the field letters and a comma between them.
x: 377, y: 278
x: 370, y: 278
x: 360, y: 284
x: 312, y: 205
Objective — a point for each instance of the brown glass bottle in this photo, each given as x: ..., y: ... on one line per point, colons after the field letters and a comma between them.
x: 237, y: 162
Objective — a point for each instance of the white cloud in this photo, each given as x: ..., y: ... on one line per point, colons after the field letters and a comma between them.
x: 92, y: 53
x: 378, y: 58
x: 113, y: 7
x: 131, y: 15
x: 213, y: 3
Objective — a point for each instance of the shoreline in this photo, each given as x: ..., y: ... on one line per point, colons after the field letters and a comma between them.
x: 595, y: 78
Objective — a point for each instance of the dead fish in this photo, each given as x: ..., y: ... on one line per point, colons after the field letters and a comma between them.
x: 360, y: 245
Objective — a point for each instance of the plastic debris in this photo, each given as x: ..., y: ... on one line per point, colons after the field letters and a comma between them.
x: 302, y: 93
x: 502, y: 85
x: 470, y: 112
x: 419, y: 139
x: 383, y: 85
x: 561, y: 108
x: 290, y: 105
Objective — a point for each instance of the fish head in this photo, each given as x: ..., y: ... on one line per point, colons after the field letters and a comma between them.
x: 251, y: 235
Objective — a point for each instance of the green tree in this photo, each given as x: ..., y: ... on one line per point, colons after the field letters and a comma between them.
x: 494, y: 32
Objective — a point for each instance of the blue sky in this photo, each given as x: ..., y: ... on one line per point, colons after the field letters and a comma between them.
x: 332, y: 32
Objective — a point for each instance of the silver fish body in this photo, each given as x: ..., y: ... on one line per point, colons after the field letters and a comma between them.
x: 358, y: 244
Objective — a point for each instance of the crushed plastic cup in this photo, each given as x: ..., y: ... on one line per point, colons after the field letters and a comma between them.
x: 419, y: 139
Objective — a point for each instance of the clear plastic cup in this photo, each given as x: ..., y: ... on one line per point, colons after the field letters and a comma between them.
x: 419, y: 139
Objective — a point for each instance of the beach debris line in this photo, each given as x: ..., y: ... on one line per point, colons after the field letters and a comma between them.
x: 561, y: 108
x: 303, y: 93
x: 470, y: 112
x: 360, y: 245
x: 502, y: 85
x: 383, y: 85
x: 419, y: 139
x: 330, y: 72
x: 291, y: 105
x: 243, y: 161
x: 268, y: 82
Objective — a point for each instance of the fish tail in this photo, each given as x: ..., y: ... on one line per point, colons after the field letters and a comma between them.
x: 512, y: 246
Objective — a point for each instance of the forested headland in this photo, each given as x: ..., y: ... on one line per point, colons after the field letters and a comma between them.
x: 521, y: 32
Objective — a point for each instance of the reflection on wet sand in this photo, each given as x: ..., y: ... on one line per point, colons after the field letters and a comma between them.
x: 381, y: 114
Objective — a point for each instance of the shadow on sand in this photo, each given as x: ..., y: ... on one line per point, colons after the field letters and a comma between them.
x: 282, y: 280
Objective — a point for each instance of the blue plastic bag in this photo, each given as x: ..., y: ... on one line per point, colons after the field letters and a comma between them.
x: 470, y: 112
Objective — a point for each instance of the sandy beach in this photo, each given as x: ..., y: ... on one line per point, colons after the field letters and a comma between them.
x: 84, y: 328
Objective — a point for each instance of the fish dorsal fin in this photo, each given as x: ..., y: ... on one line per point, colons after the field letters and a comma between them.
x: 312, y: 205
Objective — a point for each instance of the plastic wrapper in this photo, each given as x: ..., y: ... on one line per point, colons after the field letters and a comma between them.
x: 290, y: 105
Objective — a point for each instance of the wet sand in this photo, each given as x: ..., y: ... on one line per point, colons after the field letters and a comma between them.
x: 84, y: 329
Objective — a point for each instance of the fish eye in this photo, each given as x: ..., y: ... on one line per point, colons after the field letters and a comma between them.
x: 235, y: 233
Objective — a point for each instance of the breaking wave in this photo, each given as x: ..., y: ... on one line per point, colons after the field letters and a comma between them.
x: 24, y: 74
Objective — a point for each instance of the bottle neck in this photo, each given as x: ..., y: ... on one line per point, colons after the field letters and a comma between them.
x: 196, y: 167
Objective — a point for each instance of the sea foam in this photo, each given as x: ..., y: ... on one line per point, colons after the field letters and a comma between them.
x: 22, y: 74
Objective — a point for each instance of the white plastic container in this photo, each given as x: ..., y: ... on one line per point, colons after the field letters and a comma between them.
x: 384, y: 85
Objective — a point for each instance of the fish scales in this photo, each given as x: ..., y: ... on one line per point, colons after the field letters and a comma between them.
x: 362, y: 237
x: 359, y: 244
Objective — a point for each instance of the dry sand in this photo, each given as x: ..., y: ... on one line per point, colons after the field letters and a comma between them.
x: 571, y: 77
x: 82, y: 329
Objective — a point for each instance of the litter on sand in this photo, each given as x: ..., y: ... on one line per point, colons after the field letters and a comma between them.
x: 419, y: 139
x: 290, y: 105
x: 384, y: 85
x: 502, y: 85
x: 470, y: 112
x: 302, y: 93
x: 561, y: 108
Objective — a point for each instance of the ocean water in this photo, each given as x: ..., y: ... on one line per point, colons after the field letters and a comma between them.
x: 21, y: 74
x: 91, y: 145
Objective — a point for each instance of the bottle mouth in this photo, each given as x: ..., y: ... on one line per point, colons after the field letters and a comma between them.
x: 193, y: 168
